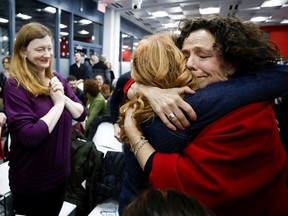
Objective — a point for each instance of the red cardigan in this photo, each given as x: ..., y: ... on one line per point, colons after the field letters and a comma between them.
x: 235, y: 166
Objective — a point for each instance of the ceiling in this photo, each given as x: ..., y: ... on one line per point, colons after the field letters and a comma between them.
x: 178, y: 9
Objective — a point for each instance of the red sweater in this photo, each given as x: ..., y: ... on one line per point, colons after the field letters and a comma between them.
x: 235, y: 166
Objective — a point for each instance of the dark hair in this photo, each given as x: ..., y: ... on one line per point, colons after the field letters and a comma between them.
x: 91, y: 87
x: 240, y: 43
x: 6, y: 57
x: 168, y: 202
x: 71, y: 78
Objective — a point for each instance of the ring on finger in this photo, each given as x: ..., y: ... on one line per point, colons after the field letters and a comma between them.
x: 171, y: 116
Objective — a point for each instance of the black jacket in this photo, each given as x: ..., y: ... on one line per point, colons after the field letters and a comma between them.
x: 86, y: 164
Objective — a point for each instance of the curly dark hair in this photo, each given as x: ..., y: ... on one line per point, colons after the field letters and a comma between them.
x: 91, y: 87
x: 240, y: 43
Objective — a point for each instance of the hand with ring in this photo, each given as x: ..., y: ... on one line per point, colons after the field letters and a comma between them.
x: 165, y: 101
x: 171, y: 116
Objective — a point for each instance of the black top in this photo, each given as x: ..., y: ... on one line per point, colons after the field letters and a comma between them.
x: 81, y: 72
x: 117, y: 98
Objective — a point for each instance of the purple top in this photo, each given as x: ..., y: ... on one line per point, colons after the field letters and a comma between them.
x: 38, y: 160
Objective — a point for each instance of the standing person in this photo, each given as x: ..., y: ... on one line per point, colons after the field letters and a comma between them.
x: 4, y: 75
x: 235, y: 164
x: 79, y: 69
x: 40, y: 107
x: 72, y: 82
x: 100, y: 68
x: 101, y: 63
x: 117, y: 99
x: 6, y: 65
x: 111, y: 72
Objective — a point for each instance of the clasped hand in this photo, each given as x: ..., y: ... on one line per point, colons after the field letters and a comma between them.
x: 56, y: 91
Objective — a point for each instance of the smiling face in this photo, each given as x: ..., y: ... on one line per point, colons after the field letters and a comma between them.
x: 40, y: 52
x: 203, y: 60
x: 99, y: 80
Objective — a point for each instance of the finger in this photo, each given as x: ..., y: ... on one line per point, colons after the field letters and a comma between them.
x: 166, y: 121
x: 129, y: 112
x: 180, y: 120
x: 185, y: 90
x: 117, y: 137
x: 186, y: 108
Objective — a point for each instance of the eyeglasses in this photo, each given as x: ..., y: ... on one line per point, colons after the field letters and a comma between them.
x: 6, y: 62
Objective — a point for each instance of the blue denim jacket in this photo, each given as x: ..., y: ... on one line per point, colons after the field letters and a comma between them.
x: 210, y: 104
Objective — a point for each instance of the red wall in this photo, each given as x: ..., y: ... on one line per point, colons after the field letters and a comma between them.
x: 278, y: 35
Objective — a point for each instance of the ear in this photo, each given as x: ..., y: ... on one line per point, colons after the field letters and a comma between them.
x: 231, y: 69
x: 23, y: 53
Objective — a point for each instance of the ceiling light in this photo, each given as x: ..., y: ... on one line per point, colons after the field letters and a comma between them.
x: 85, y: 22
x: 51, y: 10
x: 83, y: 32
x: 2, y: 20
x: 23, y: 16
x: 251, y: 8
x: 63, y: 26
x: 64, y: 33
x: 209, y: 10
x: 285, y: 21
x: 273, y: 3
x: 177, y: 17
x: 258, y: 19
x: 170, y: 25
x: 160, y: 14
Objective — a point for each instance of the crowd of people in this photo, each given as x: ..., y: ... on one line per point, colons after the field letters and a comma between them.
x: 196, y: 116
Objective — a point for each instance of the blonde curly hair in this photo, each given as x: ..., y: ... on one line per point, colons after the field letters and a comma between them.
x: 158, y: 62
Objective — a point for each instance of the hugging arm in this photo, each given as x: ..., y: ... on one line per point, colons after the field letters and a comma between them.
x: 220, y: 98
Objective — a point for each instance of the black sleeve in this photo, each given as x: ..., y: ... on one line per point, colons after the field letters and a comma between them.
x: 117, y: 97
x: 148, y: 165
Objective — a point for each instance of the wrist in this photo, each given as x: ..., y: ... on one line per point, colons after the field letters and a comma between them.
x: 139, y: 144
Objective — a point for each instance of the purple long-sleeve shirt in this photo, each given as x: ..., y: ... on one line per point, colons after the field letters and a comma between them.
x: 38, y: 160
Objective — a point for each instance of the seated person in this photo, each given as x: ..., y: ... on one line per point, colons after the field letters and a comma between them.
x: 72, y: 82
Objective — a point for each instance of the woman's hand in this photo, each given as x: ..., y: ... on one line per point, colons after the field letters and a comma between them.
x: 117, y: 131
x: 169, y: 105
x: 130, y: 126
x: 146, y: 150
x: 57, y: 91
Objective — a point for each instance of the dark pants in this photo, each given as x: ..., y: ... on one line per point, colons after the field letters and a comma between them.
x: 48, y: 203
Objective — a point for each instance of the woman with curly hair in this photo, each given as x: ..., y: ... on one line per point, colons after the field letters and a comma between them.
x: 231, y: 158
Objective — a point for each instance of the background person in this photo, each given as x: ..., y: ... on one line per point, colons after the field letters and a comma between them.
x: 4, y: 75
x: 39, y: 106
x: 117, y: 99
x: 112, y: 75
x: 72, y: 82
x: 96, y: 103
x: 210, y: 60
x: 166, y: 202
x: 79, y: 69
